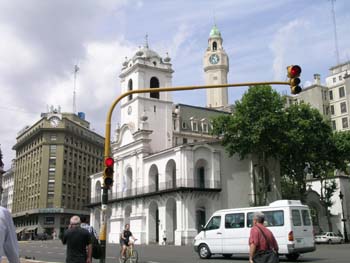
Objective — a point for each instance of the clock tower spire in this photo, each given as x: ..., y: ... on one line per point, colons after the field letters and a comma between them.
x: 216, y: 67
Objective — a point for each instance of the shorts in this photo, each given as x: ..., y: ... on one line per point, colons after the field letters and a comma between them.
x: 124, y: 242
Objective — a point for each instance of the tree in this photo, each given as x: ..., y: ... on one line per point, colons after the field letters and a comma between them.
x: 256, y: 127
x: 297, y: 136
x: 341, y: 141
x: 308, y: 147
x: 330, y: 187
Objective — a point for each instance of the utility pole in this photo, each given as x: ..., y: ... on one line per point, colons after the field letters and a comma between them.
x: 335, y: 33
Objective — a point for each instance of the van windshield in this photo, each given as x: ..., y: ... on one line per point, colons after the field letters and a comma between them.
x: 272, y: 218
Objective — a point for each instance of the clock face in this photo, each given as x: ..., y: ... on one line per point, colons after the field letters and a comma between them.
x: 54, y: 121
x: 214, y: 59
x: 129, y: 110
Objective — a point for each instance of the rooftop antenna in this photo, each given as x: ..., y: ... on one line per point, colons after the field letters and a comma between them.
x: 335, y: 32
x: 76, y: 69
x: 146, y: 40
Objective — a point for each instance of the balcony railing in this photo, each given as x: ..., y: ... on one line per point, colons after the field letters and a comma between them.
x: 168, y: 186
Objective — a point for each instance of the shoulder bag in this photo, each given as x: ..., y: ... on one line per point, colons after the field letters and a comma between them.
x: 266, y: 256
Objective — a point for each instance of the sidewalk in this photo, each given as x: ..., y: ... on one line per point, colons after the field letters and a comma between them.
x: 23, y: 260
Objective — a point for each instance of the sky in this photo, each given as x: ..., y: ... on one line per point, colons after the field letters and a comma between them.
x: 42, y: 40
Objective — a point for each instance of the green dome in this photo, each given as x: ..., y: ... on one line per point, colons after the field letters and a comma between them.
x: 215, y: 32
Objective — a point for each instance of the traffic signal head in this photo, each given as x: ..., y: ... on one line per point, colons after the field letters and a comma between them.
x: 294, y: 81
x: 108, y: 172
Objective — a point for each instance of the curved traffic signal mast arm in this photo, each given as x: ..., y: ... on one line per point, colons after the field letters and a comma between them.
x: 168, y: 89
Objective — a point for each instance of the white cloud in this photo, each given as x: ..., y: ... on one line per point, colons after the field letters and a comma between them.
x: 284, y: 44
x: 14, y: 53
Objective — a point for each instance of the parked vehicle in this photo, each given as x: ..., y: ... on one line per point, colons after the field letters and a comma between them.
x: 227, y: 231
x: 329, y: 237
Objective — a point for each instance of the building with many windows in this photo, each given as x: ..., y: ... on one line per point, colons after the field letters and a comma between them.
x: 338, y: 83
x: 7, y: 187
x: 54, y: 158
x: 171, y: 174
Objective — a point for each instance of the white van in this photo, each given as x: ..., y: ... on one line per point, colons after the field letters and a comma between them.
x: 227, y: 231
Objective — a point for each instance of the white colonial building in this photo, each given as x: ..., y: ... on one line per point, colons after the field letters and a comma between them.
x: 170, y: 173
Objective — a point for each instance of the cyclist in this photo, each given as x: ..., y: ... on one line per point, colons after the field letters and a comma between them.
x: 125, y: 239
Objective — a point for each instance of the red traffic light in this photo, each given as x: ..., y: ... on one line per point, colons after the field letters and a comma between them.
x: 109, y: 162
x: 294, y: 71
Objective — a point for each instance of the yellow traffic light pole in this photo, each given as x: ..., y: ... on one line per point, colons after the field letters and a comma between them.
x: 108, y: 137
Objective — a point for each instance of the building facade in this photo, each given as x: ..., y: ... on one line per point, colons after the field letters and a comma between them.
x: 320, y: 220
x: 170, y: 173
x: 7, y: 187
x: 317, y: 95
x: 54, y: 158
x: 338, y: 83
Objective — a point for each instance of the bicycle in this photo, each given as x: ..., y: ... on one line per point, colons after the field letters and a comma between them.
x: 131, y: 255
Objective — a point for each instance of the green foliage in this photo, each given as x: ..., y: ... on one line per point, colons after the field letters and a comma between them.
x: 307, y: 147
x: 341, y: 141
x: 298, y: 136
x: 255, y: 126
x: 330, y: 186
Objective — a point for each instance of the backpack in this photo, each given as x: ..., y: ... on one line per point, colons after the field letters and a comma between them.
x: 96, y: 247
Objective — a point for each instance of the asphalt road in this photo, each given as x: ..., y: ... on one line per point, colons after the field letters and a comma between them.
x: 54, y: 251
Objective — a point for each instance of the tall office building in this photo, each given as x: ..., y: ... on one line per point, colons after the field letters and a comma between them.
x: 53, y: 160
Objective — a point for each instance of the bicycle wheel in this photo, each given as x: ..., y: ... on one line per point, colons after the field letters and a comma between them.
x: 133, y: 256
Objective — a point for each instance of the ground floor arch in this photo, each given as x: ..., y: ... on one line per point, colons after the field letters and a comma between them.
x: 170, y: 220
x: 153, y: 222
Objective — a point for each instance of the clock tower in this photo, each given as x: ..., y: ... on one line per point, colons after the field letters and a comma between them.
x: 216, y: 67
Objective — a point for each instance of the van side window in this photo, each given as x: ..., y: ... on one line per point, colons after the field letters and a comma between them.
x: 214, y: 223
x: 272, y: 218
x: 306, y: 217
x: 234, y: 220
x: 296, y: 217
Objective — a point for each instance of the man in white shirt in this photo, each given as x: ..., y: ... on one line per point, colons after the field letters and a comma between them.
x: 8, y: 238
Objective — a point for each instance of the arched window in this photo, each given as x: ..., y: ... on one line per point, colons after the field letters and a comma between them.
x: 129, y: 89
x: 201, y: 177
x: 215, y: 46
x: 154, y: 83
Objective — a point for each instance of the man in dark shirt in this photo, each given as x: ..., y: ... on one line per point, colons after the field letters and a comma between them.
x: 78, y: 240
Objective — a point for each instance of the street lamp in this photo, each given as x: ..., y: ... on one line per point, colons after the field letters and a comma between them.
x: 341, y: 196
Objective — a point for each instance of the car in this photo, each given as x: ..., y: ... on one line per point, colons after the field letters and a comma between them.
x: 329, y: 237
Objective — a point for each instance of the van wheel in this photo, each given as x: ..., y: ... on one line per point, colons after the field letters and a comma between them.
x: 227, y: 255
x: 293, y: 256
x: 204, y: 251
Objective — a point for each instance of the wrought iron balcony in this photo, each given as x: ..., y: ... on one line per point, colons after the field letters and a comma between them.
x: 161, y: 188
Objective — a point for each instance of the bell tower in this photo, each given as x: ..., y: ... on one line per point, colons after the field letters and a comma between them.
x: 216, y: 68
x: 146, y: 69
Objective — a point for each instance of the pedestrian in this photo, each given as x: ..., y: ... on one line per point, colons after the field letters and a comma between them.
x: 262, y: 244
x: 164, y: 238
x: 79, y: 249
x: 86, y: 226
x: 8, y: 238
